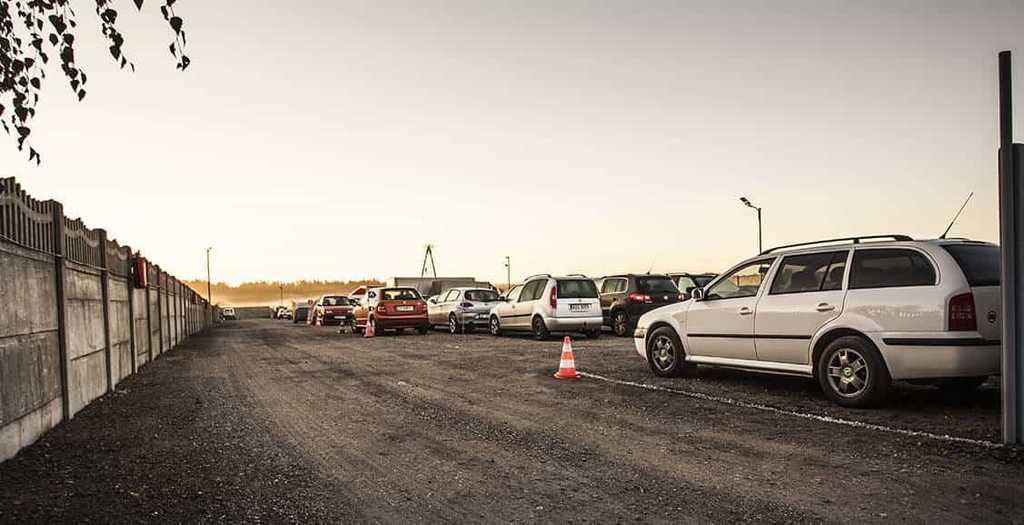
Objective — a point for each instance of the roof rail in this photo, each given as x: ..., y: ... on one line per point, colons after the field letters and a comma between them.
x: 576, y: 275
x: 537, y: 275
x: 854, y: 240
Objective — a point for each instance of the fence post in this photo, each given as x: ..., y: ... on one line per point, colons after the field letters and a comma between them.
x: 129, y: 276
x: 57, y: 210
x: 105, y: 297
x: 149, y: 319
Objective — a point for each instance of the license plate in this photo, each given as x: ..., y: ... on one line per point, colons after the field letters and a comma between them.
x: 404, y: 308
x: 579, y: 307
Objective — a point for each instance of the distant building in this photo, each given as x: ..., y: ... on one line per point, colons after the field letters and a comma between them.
x: 429, y: 286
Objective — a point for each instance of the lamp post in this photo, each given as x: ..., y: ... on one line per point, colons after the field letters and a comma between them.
x: 760, y: 247
x: 508, y: 271
x: 209, y: 287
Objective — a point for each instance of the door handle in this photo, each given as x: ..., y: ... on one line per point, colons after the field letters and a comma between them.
x: 745, y: 311
x: 825, y: 307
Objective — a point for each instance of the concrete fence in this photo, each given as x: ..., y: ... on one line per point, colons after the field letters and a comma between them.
x: 78, y: 314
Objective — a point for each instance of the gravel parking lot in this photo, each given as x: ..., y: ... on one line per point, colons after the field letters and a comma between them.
x: 269, y: 421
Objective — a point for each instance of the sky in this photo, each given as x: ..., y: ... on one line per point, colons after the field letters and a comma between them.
x: 335, y: 139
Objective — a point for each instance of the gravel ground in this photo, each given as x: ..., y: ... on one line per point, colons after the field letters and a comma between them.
x: 264, y: 421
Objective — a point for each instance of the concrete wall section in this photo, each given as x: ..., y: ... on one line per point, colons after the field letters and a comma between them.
x: 30, y: 390
x: 142, y: 337
x: 86, y: 342
x: 120, y: 329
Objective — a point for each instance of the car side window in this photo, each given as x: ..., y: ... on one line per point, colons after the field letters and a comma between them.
x: 744, y: 281
x: 620, y: 285
x: 531, y: 291
x: 451, y: 296
x: 513, y: 295
x: 810, y: 273
x: 608, y: 285
x: 889, y: 268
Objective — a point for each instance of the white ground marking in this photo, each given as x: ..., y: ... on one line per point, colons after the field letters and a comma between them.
x: 793, y: 413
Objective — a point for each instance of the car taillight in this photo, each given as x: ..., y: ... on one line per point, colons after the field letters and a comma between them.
x: 381, y: 309
x: 961, y: 313
x: 684, y: 297
x: 639, y: 297
x: 466, y: 305
x: 554, y: 297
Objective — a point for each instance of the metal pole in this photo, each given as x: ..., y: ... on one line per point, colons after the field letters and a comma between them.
x: 209, y: 287
x: 508, y: 270
x: 760, y: 246
x: 1011, y: 215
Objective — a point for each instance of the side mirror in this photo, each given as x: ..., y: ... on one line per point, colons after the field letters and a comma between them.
x: 697, y: 294
x: 502, y: 298
x: 432, y: 300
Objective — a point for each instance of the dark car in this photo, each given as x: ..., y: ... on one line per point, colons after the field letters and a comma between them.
x: 624, y: 298
x: 333, y: 309
x: 301, y: 313
x: 687, y: 282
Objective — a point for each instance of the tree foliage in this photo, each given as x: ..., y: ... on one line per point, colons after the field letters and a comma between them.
x: 35, y: 32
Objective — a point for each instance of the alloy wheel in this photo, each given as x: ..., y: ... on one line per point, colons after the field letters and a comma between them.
x: 663, y: 353
x: 453, y: 325
x: 848, y: 372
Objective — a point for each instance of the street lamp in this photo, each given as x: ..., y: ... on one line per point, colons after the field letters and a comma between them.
x: 508, y: 270
x: 744, y: 200
x: 209, y: 287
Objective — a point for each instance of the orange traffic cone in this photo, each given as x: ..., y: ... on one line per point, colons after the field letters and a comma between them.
x: 567, y: 365
x: 368, y: 331
x: 317, y: 321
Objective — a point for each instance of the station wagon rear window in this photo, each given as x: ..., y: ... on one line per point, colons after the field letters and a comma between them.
x: 887, y: 268
x: 577, y: 289
x: 980, y: 262
x: 335, y: 300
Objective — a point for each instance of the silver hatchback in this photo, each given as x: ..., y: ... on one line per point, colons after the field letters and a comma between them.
x: 461, y: 309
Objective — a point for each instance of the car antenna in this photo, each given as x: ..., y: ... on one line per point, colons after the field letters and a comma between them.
x: 957, y: 216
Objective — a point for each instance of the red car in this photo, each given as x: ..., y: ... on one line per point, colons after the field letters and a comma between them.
x: 392, y: 309
x: 333, y: 309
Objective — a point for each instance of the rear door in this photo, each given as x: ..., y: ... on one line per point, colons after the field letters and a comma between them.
x: 576, y: 298
x: 981, y: 266
x: 806, y: 292
x: 612, y: 289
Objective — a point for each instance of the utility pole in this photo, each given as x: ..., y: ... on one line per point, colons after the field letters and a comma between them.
x: 508, y: 271
x: 1011, y: 241
x: 760, y: 246
x: 429, y: 255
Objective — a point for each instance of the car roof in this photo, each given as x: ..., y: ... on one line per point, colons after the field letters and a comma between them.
x: 846, y: 245
x: 627, y: 275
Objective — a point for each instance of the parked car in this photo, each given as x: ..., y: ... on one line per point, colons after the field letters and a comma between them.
x: 301, y: 312
x: 687, y: 282
x: 855, y: 316
x: 624, y: 298
x: 394, y: 308
x: 228, y: 314
x: 461, y: 309
x: 333, y: 310
x: 545, y: 304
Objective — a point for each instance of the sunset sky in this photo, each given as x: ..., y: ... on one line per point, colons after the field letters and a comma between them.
x: 334, y: 139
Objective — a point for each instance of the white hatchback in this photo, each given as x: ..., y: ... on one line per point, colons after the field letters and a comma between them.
x: 545, y: 304
x: 856, y: 316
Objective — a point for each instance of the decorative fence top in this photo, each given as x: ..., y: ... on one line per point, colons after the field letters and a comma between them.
x: 30, y: 223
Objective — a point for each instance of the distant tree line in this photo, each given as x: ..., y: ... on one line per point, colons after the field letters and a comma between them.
x: 269, y: 292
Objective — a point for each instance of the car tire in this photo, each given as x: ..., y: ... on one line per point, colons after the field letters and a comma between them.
x: 539, y: 329
x: 453, y: 324
x: 494, y: 326
x: 665, y: 354
x: 852, y: 373
x: 377, y: 329
x: 620, y: 324
x: 960, y: 385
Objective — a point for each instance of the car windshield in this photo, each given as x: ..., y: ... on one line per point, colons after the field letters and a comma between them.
x: 656, y: 285
x: 399, y: 294
x: 335, y: 300
x: 577, y: 289
x: 482, y: 296
x: 980, y: 262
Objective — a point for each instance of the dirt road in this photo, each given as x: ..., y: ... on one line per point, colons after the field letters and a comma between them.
x: 273, y: 422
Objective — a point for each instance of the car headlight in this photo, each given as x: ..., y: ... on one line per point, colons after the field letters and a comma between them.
x: 640, y: 332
